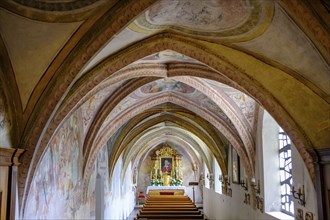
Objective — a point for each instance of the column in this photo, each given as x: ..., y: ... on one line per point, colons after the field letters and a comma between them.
x: 322, y: 173
x: 9, y: 162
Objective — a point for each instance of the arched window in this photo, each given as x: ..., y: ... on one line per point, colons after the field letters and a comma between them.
x: 285, y: 158
x: 277, y: 169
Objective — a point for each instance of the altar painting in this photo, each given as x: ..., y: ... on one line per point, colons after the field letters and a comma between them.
x: 166, y: 164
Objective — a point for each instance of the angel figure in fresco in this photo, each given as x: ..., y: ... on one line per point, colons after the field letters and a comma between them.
x: 167, y: 168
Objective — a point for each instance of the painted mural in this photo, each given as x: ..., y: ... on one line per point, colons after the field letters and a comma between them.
x: 216, y: 18
x: 91, y: 106
x: 167, y: 85
x: 58, y: 176
x: 148, y: 90
x: 5, y: 122
x: 56, y: 190
x: 167, y: 55
x: 245, y: 103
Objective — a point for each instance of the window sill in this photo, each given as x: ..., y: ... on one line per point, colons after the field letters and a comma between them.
x: 280, y: 215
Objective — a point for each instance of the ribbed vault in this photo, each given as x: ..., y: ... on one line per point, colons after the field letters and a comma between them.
x: 206, y: 136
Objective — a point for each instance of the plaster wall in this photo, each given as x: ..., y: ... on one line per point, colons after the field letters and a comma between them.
x: 120, y: 197
x: 219, y: 206
x: 301, y: 177
x: 271, y: 164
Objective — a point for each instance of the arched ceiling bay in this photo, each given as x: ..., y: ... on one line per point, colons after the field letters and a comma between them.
x: 116, y: 61
x: 149, y: 96
x: 197, y: 150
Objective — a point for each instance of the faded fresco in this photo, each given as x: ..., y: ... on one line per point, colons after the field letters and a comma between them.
x: 167, y: 55
x: 56, y: 190
x: 58, y: 177
x: 167, y: 85
x: 5, y: 122
x: 245, y: 103
x: 91, y: 106
x: 214, y: 17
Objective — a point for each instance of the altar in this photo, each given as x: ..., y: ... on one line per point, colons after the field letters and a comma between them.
x: 166, y: 190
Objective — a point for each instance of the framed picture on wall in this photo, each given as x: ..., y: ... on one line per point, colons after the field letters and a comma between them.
x: 166, y: 164
x: 235, y: 166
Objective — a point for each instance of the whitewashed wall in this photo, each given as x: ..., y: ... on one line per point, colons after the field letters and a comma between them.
x: 218, y: 206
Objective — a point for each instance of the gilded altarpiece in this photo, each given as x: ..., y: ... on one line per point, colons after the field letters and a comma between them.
x: 166, y: 168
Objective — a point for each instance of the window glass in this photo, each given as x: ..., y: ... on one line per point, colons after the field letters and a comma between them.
x: 285, y: 173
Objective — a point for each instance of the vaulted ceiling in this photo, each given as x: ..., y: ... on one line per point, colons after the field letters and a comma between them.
x: 146, y: 72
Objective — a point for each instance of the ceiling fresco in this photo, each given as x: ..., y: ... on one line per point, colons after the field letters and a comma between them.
x: 216, y: 18
x: 166, y: 56
x: 246, y: 104
x: 166, y: 84
x: 90, y: 108
x: 54, y: 10
x: 169, y: 85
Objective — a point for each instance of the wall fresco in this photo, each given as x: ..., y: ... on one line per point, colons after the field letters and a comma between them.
x: 56, y: 190
x: 58, y: 176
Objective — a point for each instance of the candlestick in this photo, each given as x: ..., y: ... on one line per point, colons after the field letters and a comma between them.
x: 300, y: 195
